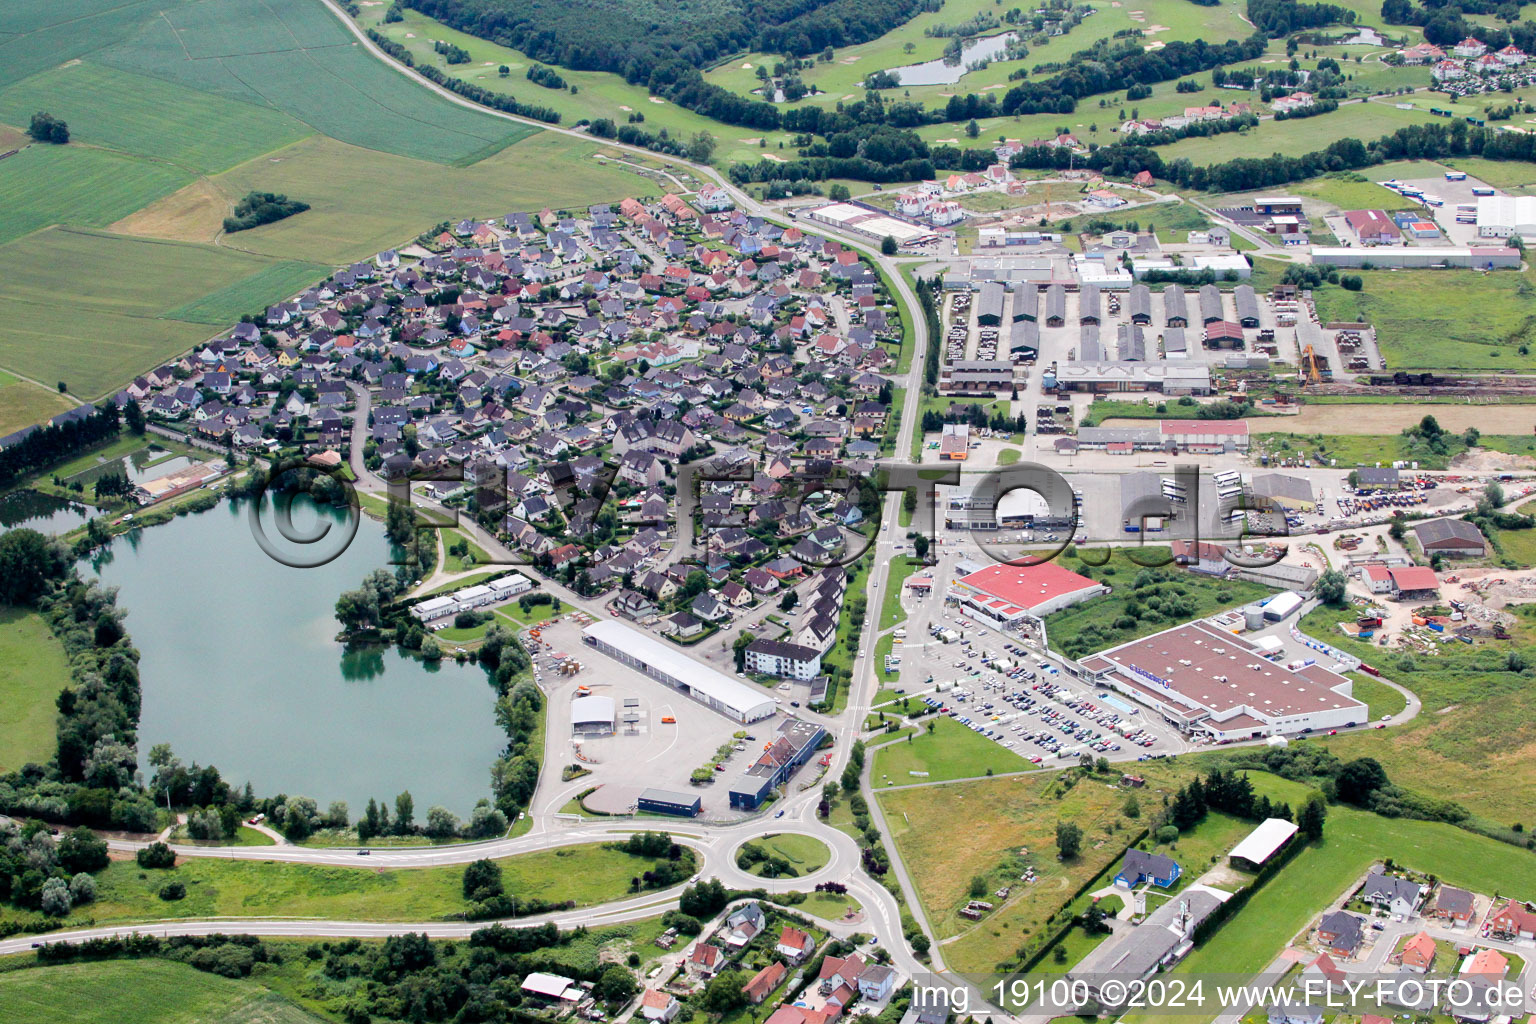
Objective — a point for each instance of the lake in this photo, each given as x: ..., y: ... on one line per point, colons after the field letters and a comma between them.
x: 941, y: 72
x: 41, y: 512
x: 240, y: 670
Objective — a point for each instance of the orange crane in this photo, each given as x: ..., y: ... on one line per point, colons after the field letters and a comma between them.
x: 1309, y: 363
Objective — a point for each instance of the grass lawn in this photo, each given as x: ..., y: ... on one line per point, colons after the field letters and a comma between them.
x: 805, y: 853
x: 33, y: 669
x: 1349, y: 190
x: 467, y: 581
x: 891, y: 611
x: 244, y: 836
x: 23, y: 403
x: 1426, y: 319
x: 143, y: 991
x: 1380, y: 699
x: 1517, y: 545
x: 456, y: 563
x: 950, y: 751
x: 829, y: 906
x: 1009, y: 824
x: 587, y: 874
x: 1165, y: 596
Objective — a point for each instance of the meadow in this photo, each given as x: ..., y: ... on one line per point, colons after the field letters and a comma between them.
x: 992, y: 828
x: 33, y: 669
x: 1368, y: 120
x: 1480, y: 324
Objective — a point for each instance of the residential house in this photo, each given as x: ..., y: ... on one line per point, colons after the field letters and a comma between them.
x: 764, y: 982
x: 1397, y: 895
x: 658, y: 1006
x: 795, y: 945
x: 1140, y: 866
x: 1341, y: 932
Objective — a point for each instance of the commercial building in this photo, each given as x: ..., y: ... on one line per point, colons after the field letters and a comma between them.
x: 664, y: 801
x: 955, y: 442
x: 1417, y: 257
x: 739, y: 702
x: 1164, y: 938
x: 1373, y: 227
x: 1206, y: 436
x: 592, y: 716
x: 1282, y: 490
x: 795, y: 744
x: 1005, y: 594
x: 1223, y: 264
x: 1207, y: 681
x: 869, y: 221
x: 788, y: 661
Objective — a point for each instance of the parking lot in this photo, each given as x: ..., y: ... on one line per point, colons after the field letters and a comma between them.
x: 672, y: 735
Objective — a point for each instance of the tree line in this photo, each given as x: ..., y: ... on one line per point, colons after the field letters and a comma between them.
x: 55, y: 442
x: 479, y: 94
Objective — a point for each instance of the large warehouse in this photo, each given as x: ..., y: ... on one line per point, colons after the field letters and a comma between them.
x: 1502, y: 216
x: 736, y: 701
x: 1210, y: 682
x: 1417, y: 257
x: 1004, y: 594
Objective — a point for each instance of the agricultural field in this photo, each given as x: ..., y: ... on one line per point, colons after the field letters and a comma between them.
x: 39, y: 34
x: 123, y: 286
x: 33, y: 670
x: 362, y: 202
x: 1426, y: 320
x: 249, y: 294
x: 198, y: 132
x: 294, y: 56
x: 142, y: 991
x: 23, y: 403
x: 950, y: 751
x: 45, y: 185
x: 1010, y: 823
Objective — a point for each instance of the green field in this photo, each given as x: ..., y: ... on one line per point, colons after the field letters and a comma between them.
x: 250, y: 294
x: 23, y: 403
x: 33, y: 669
x: 1442, y: 319
x: 891, y: 612
x: 1163, y: 597
x: 362, y: 202
x: 72, y: 184
x: 1350, y: 191
x: 295, y: 57
x: 40, y: 34
x: 169, y: 123
x: 141, y: 991
x: 587, y: 875
x: 950, y: 751
x: 1303, y: 135
x: 108, y: 330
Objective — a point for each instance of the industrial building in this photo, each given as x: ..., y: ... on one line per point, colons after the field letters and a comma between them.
x: 1417, y: 257
x: 1175, y: 313
x: 1268, y: 839
x: 739, y: 702
x: 664, y: 801
x: 989, y: 305
x: 1450, y: 537
x: 1207, y: 681
x: 1005, y: 594
x: 787, y: 661
x: 1283, y: 490
x: 1164, y: 938
x: 796, y: 743
x: 592, y: 716
x: 1502, y: 216
x: 964, y: 375
x: 1182, y: 377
